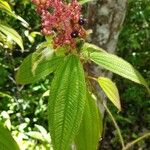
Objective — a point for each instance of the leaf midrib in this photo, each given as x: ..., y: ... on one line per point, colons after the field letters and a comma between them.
x: 67, y: 99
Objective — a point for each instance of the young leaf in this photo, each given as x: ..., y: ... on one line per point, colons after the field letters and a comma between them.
x: 13, y: 34
x: 90, y: 128
x: 66, y: 102
x: 110, y: 90
x: 118, y: 66
x: 6, y: 140
x: 37, y: 65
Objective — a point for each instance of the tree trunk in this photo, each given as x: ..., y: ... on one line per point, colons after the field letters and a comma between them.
x: 105, y: 18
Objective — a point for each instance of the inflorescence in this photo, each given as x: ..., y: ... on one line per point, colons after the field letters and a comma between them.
x: 62, y: 20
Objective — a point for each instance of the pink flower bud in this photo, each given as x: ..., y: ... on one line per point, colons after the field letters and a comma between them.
x: 64, y: 18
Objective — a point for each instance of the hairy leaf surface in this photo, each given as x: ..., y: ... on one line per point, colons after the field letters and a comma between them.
x: 91, y: 126
x: 66, y: 102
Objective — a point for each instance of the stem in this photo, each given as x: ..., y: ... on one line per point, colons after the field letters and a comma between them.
x: 136, y: 141
x: 95, y: 79
x: 113, y: 119
x: 116, y: 126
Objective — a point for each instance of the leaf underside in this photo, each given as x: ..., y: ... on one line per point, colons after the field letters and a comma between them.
x: 110, y: 90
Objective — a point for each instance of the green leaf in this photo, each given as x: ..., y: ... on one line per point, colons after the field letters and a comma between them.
x: 88, y: 47
x: 118, y: 66
x: 42, y: 131
x: 91, y: 126
x: 36, y: 135
x: 6, y: 140
x: 4, y: 95
x: 6, y: 7
x: 84, y: 1
x: 13, y: 34
x: 66, y: 102
x: 37, y: 65
x: 110, y: 90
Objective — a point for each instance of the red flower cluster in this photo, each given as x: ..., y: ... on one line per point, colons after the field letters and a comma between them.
x: 61, y: 20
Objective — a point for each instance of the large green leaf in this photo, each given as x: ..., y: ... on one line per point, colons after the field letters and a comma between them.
x: 37, y: 65
x: 6, y: 140
x: 12, y: 34
x: 91, y: 126
x: 110, y: 90
x: 66, y: 102
x: 117, y: 65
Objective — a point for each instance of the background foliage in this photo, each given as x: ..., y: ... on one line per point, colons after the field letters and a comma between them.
x: 133, y: 46
x: 23, y: 108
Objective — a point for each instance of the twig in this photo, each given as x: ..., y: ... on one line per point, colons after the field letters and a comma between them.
x: 116, y: 126
x: 136, y: 141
